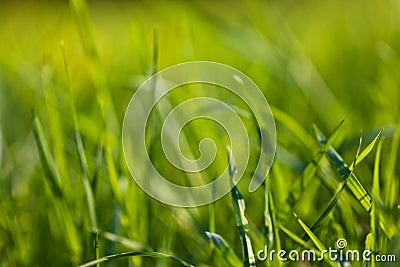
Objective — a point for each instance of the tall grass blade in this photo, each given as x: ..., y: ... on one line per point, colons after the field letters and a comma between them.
x: 79, y: 146
x: 96, y: 247
x: 227, y: 253
x: 239, y: 207
x: 372, y: 238
x: 341, y: 167
x: 47, y: 160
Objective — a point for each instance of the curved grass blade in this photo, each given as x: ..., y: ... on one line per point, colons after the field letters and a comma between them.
x: 227, y: 253
x: 136, y: 254
x: 239, y: 207
x: 315, y: 240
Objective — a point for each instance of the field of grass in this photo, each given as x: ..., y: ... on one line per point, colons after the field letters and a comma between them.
x: 69, y: 69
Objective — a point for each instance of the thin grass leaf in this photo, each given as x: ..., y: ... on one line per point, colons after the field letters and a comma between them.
x: 96, y: 247
x: 136, y: 254
x: 313, y: 166
x: 295, y: 127
x: 227, y: 253
x: 47, y: 160
x: 315, y: 240
x: 356, y: 188
x: 79, y: 147
x: 391, y: 182
x: 239, y: 207
x: 371, y: 240
x: 366, y: 151
x: 126, y: 242
x: 268, y: 225
x: 354, y: 185
x: 293, y: 236
x: 329, y: 207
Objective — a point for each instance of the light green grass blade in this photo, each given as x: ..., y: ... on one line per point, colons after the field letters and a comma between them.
x: 371, y: 240
x: 366, y: 151
x: 54, y: 124
x: 136, y: 254
x: 391, y: 187
x: 316, y: 241
x: 295, y: 127
x: 239, y: 207
x: 227, y: 253
x: 80, y: 149
x: 126, y: 242
x: 47, y: 160
x: 268, y: 224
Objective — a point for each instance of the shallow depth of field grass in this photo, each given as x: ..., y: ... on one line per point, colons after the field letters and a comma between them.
x: 68, y: 70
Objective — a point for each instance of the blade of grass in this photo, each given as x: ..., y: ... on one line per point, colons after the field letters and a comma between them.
x: 315, y: 240
x: 391, y: 183
x: 371, y: 240
x: 341, y: 167
x: 227, y: 253
x: 126, y: 242
x: 355, y: 186
x: 96, y: 247
x: 239, y: 207
x: 136, y: 254
x: 79, y: 146
x: 47, y: 160
x: 335, y: 198
x: 312, y: 167
x: 295, y: 127
x: 54, y: 124
x: 366, y: 151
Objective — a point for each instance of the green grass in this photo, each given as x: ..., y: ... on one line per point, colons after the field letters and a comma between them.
x: 68, y: 71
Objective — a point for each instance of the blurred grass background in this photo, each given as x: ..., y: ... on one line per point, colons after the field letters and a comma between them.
x: 319, y: 62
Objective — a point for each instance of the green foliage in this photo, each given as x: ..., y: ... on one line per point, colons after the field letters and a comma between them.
x: 67, y: 196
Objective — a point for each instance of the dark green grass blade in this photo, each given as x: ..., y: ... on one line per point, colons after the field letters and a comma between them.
x: 239, y: 207
x: 354, y: 185
x: 135, y: 254
x: 227, y: 253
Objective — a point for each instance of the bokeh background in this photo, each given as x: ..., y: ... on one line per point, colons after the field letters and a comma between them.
x: 317, y: 62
